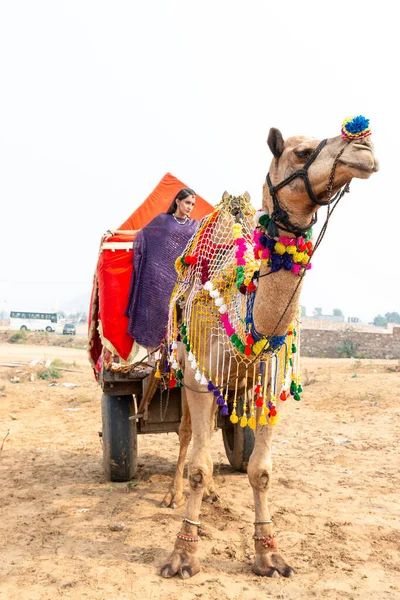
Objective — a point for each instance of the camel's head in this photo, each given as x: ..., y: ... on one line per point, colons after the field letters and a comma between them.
x: 305, y: 173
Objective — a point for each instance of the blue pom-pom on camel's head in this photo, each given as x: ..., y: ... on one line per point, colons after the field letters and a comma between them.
x: 354, y: 128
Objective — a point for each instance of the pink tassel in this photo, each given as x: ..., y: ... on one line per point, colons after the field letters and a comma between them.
x: 296, y: 269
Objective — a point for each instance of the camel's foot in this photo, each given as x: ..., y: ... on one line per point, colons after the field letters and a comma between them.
x: 182, y: 563
x: 271, y: 564
x: 210, y: 495
x: 173, y: 499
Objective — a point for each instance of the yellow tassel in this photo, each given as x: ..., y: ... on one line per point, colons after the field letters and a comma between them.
x: 273, y: 420
x: 262, y: 420
x: 298, y: 257
x: 279, y: 248
x: 157, y: 374
x: 234, y: 418
x: 291, y: 249
x: 252, y: 422
x: 243, y: 421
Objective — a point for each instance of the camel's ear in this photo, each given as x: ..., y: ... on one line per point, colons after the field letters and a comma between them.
x: 225, y: 195
x: 247, y: 195
x: 275, y: 142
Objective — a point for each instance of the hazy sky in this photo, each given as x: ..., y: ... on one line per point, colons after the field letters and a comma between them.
x: 99, y: 99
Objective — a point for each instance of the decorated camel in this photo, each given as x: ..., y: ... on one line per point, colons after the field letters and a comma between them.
x: 233, y: 340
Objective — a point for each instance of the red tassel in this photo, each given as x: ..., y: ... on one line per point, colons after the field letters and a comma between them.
x: 259, y: 402
x: 190, y: 260
x: 249, y: 339
x: 283, y: 396
x: 272, y: 412
x: 251, y: 288
x: 172, y: 382
x: 248, y: 351
x: 257, y: 389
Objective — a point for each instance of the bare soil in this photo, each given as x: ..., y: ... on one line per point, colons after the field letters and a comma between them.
x: 67, y: 532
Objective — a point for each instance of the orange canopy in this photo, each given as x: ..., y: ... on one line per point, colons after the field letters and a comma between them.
x: 160, y: 200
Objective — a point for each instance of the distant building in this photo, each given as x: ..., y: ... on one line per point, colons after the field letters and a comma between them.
x: 339, y: 319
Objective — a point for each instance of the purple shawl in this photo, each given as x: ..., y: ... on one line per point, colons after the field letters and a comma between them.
x: 155, y: 250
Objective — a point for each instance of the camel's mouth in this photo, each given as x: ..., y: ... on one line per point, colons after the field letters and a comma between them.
x: 361, y: 158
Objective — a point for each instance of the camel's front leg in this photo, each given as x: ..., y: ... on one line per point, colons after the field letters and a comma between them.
x: 175, y: 497
x: 268, y: 561
x: 183, y: 560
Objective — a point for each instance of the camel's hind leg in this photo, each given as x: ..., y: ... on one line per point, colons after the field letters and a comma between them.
x: 175, y: 497
x: 183, y: 560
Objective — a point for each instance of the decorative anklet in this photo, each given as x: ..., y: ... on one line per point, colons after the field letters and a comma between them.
x: 197, y: 523
x: 267, y: 540
x: 187, y: 538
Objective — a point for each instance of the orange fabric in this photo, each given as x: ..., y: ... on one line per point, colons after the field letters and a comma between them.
x: 160, y: 200
x: 114, y: 269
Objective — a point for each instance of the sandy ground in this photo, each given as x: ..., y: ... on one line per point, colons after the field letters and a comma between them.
x: 334, y: 497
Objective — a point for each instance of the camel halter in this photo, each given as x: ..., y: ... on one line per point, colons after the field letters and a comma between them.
x: 280, y: 215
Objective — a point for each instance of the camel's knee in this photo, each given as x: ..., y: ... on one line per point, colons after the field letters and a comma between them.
x: 259, y: 477
x: 200, y: 475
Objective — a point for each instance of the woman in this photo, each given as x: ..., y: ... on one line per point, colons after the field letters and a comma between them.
x: 155, y: 250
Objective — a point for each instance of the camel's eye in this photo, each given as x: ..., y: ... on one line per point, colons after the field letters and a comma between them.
x: 302, y: 154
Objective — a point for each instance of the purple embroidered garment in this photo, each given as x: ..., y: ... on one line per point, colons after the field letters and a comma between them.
x: 155, y: 250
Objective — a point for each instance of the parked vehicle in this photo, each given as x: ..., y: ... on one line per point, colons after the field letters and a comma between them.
x: 69, y: 329
x: 35, y: 321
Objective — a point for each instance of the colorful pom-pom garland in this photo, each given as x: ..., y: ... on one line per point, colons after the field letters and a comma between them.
x: 291, y: 254
x: 354, y: 128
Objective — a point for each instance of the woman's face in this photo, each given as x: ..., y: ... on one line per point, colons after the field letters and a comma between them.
x: 186, y: 205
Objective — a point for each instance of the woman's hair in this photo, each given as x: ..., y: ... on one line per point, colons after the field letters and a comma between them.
x: 180, y: 196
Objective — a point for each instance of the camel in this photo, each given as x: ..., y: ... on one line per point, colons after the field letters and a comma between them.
x: 304, y: 175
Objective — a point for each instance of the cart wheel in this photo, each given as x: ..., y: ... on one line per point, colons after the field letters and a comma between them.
x: 119, y: 437
x: 238, y: 442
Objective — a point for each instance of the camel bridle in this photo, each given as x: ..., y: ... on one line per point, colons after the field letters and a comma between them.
x: 280, y: 217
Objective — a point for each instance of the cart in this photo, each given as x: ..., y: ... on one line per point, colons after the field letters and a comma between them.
x: 133, y: 401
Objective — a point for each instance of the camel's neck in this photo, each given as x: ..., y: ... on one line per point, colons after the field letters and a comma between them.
x: 276, y: 301
x: 280, y: 282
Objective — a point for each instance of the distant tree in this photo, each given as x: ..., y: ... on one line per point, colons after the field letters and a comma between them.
x: 337, y: 312
x: 317, y: 311
x: 392, y: 317
x: 303, y: 311
x: 379, y: 321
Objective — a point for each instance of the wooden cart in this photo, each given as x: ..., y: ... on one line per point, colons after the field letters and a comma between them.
x: 134, y: 403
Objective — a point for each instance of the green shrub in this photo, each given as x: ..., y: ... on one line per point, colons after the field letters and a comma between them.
x: 347, y: 349
x: 50, y: 373
x: 19, y: 337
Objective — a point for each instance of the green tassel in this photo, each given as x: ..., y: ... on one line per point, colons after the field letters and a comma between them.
x: 183, y: 329
x: 234, y: 338
x: 188, y: 347
x: 297, y: 396
x: 290, y: 362
x: 299, y: 388
x: 294, y: 348
x: 264, y: 220
x: 179, y: 374
x: 185, y: 340
x: 293, y: 387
